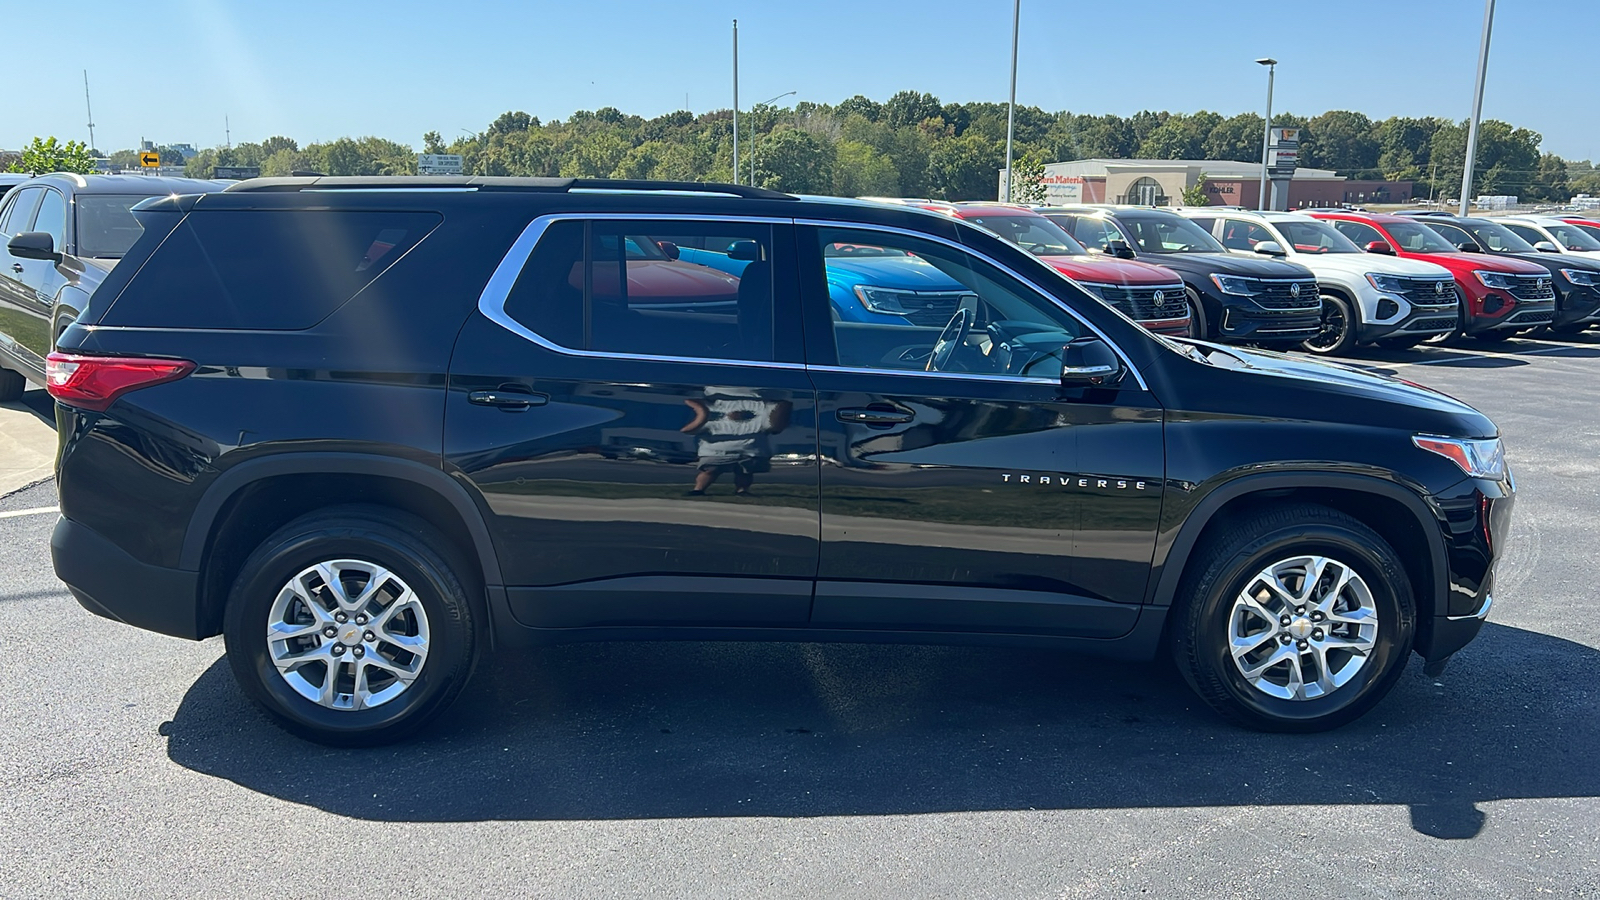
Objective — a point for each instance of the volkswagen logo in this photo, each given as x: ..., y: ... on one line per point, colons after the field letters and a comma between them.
x: 1159, y: 298
x: 1544, y: 283
x: 1438, y: 287
x: 1294, y: 291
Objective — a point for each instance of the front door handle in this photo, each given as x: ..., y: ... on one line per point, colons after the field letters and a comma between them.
x: 874, y: 416
x: 511, y: 401
x: 16, y: 267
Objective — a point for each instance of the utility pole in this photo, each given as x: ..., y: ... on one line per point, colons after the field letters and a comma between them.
x: 88, y: 108
x: 735, y: 101
x: 1477, y: 107
x: 1011, y: 109
x: 227, y: 133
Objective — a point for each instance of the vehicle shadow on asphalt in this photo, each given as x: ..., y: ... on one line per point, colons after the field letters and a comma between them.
x: 1470, y: 354
x: 664, y: 730
x: 37, y: 402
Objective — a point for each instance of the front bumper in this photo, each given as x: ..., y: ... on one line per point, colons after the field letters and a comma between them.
x: 1243, y: 320
x: 108, y: 582
x: 1578, y: 306
x: 1477, y: 521
x: 1421, y: 322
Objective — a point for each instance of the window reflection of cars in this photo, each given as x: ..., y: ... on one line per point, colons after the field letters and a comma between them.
x: 879, y: 285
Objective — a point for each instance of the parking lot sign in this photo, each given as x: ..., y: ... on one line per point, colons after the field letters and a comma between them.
x: 149, y: 160
x: 438, y: 164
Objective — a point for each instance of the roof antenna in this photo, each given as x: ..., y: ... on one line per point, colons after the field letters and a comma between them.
x: 87, y: 108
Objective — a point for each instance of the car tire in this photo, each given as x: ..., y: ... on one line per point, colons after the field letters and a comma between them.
x: 1197, y: 316
x: 404, y: 653
x: 1339, y: 328
x: 1339, y: 680
x: 1399, y: 343
x: 12, y: 384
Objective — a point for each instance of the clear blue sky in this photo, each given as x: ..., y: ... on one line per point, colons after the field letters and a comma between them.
x: 171, y: 71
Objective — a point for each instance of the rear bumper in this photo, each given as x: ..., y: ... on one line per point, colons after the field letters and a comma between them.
x: 108, y: 582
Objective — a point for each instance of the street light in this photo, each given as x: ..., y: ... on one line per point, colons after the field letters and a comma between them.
x: 1266, y: 134
x: 1011, y: 107
x: 1477, y: 107
x: 755, y: 134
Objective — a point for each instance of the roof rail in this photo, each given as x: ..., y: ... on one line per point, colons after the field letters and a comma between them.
x: 496, y: 184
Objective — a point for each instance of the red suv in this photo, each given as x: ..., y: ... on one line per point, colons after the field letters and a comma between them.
x: 1151, y: 295
x: 1495, y: 292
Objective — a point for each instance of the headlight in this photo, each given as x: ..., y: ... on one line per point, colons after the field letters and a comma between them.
x: 1582, y: 277
x: 1478, y: 458
x: 1498, y: 280
x: 1233, y: 284
x: 1099, y: 290
x: 881, y: 300
x: 1389, y: 284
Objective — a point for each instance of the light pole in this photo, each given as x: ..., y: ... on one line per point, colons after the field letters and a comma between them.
x: 755, y: 134
x: 1477, y: 105
x: 1011, y: 109
x: 735, y: 101
x: 1266, y: 133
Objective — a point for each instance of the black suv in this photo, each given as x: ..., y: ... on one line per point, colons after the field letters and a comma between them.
x: 59, y: 235
x: 1231, y: 297
x: 365, y: 428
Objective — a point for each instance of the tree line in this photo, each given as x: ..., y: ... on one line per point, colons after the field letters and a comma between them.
x: 914, y: 145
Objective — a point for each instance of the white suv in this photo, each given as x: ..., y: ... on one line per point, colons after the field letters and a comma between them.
x: 1552, y: 235
x: 1366, y: 297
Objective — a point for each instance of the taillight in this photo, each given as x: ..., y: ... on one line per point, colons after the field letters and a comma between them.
x: 95, y: 382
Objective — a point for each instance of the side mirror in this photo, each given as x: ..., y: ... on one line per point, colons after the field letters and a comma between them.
x: 745, y: 251
x: 1270, y: 248
x: 1379, y: 247
x: 1546, y: 247
x: 669, y: 248
x: 1120, y: 250
x: 34, y: 245
x: 1089, y: 362
x: 1469, y: 247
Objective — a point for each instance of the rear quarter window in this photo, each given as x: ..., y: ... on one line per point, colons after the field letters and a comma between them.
x: 272, y: 270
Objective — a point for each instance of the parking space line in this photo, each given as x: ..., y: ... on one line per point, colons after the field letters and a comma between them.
x: 18, y: 513
x: 1472, y: 355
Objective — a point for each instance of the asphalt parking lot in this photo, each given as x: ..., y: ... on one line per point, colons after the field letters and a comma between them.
x: 131, y: 765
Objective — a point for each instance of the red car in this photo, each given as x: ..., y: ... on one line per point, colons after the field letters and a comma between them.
x: 1151, y: 295
x: 1492, y: 288
x: 1592, y: 226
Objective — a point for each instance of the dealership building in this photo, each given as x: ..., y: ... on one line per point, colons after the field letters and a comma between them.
x: 1161, y: 182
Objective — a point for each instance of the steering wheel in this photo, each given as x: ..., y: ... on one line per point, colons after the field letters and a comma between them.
x: 954, y: 335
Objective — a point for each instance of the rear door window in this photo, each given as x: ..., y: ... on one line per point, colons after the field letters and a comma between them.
x: 270, y: 270
x: 20, y: 217
x: 1358, y: 232
x: 52, y: 217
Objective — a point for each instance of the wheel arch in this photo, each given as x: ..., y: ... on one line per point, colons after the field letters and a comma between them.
x: 252, y: 499
x: 1398, y: 514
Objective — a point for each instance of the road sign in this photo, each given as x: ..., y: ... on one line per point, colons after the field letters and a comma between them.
x: 149, y: 160
x: 240, y: 172
x: 438, y: 164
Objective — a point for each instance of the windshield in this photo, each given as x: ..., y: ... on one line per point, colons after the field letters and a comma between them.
x: 1497, y: 238
x: 106, y: 227
x: 1574, y: 238
x: 1035, y: 234
x: 1414, y: 238
x: 1315, y: 237
x: 1169, y: 234
x: 1453, y: 234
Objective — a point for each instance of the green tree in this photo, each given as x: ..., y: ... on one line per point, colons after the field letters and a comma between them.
x: 1237, y: 138
x: 1343, y: 141
x: 432, y: 142
x: 965, y: 167
x: 910, y: 108
x: 861, y: 171
x: 794, y: 161
x: 1029, y: 184
x: 45, y: 155
x: 1198, y: 194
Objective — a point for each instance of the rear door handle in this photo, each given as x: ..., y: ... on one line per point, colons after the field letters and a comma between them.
x: 511, y: 401
x: 875, y: 416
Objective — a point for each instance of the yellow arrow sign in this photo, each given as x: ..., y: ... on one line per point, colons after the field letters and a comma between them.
x: 149, y: 160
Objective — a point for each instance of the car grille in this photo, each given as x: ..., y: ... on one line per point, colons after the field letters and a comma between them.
x: 1534, y: 287
x: 1436, y: 323
x: 1533, y: 317
x: 1282, y: 295
x: 929, y: 308
x: 1429, y: 291
x: 1141, y: 305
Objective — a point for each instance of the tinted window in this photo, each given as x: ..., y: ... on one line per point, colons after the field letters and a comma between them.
x: 272, y: 270
x: 1415, y: 238
x: 1169, y: 234
x: 1010, y: 328
x: 674, y: 289
x: 20, y: 218
x: 1453, y: 234
x: 52, y: 217
x: 1497, y: 238
x: 1238, y: 234
x: 1574, y: 238
x: 1035, y: 234
x: 1531, y: 235
x: 1093, y: 232
x: 1315, y: 237
x: 106, y: 228
x: 1361, y: 234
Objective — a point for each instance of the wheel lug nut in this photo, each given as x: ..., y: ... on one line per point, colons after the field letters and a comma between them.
x: 1284, y: 620
x: 341, y: 618
x: 330, y: 631
x: 338, y: 649
x: 361, y: 620
x: 1317, y: 634
x: 1284, y: 638
x: 1317, y: 616
x: 358, y: 652
x: 1301, y: 644
x: 369, y: 636
x: 1299, y: 610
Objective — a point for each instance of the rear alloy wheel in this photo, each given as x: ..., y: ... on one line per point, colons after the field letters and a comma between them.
x: 1339, y: 324
x: 12, y: 385
x: 349, y: 627
x: 1297, y: 619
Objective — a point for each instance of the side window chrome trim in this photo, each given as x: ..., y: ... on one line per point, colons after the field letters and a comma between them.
x: 885, y: 229
x: 492, y: 302
x: 920, y: 373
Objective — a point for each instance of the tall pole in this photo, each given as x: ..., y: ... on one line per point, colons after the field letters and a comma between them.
x: 735, y: 101
x: 1011, y: 110
x: 1477, y: 107
x: 87, y: 108
x: 1266, y: 131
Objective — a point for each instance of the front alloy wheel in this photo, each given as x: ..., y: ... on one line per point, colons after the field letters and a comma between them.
x: 1303, y: 627
x: 1338, y: 333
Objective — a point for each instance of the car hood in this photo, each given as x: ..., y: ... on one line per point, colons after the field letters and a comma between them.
x: 1110, y: 270
x: 898, y: 272
x: 1545, y: 262
x: 1359, y: 264
x: 1331, y: 378
x: 1224, y: 263
x: 1465, y: 262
